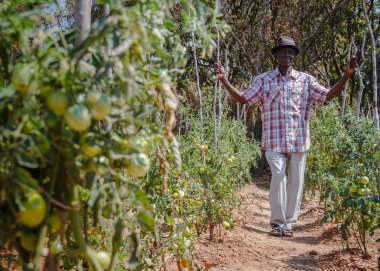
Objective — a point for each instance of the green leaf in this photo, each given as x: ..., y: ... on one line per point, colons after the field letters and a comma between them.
x: 42, y: 142
x: 26, y: 161
x: 24, y: 176
x: 170, y: 24
x: 7, y: 92
x: 146, y: 220
x: 84, y: 193
x: 142, y: 198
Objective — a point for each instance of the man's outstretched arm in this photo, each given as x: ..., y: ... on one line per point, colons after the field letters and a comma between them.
x: 338, y: 87
x: 234, y: 92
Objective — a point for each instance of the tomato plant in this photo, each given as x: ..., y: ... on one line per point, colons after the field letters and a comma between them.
x: 81, y: 126
x: 343, y: 165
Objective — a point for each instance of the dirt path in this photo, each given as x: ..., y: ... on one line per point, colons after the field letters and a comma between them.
x: 248, y: 247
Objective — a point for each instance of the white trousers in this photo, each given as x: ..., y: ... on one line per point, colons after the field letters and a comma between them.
x: 288, y: 170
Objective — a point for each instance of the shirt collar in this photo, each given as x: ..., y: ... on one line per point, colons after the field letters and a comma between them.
x: 292, y: 74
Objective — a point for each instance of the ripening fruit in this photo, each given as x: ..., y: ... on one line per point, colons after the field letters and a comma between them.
x: 364, y: 180
x: 103, y: 258
x: 100, y: 105
x: 54, y: 222
x: 91, y: 150
x: 57, y: 102
x: 33, y: 210
x: 184, y: 263
x: 138, y: 165
x: 78, y: 118
x: 22, y: 77
x: 28, y: 241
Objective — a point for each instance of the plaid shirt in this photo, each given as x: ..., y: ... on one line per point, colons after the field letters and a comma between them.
x: 285, y: 103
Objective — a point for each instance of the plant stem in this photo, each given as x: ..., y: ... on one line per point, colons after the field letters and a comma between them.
x: 84, y: 248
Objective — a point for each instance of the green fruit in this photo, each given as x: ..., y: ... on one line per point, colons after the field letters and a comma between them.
x: 103, y: 258
x: 226, y: 224
x: 33, y: 210
x: 28, y: 241
x: 22, y: 77
x: 54, y: 222
x: 138, y: 165
x: 57, y: 102
x: 78, y: 118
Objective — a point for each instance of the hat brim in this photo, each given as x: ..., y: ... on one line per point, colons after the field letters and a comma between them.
x: 274, y: 49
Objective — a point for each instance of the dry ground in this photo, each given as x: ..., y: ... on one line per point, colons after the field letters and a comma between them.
x: 248, y: 247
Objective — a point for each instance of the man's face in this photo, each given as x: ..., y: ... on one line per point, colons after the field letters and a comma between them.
x: 285, y: 56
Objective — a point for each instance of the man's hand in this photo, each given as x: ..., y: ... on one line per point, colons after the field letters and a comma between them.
x: 219, y: 71
x: 352, y: 65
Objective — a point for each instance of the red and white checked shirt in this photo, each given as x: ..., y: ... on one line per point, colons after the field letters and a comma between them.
x: 285, y: 103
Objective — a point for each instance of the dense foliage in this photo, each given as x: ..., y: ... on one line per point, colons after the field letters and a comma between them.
x: 343, y: 165
x: 82, y: 124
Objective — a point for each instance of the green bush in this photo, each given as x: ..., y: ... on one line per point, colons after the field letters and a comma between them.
x: 343, y: 164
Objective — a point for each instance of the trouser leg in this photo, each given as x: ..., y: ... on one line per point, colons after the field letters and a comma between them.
x: 296, y: 172
x: 277, y: 193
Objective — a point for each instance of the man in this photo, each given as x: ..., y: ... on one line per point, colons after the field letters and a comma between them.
x: 286, y: 97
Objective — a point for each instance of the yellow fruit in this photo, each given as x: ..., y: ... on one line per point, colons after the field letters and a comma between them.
x: 138, y: 165
x: 78, y: 118
x: 103, y: 258
x: 33, y: 210
x: 22, y: 77
x: 57, y: 102
x: 91, y: 150
x: 28, y: 241
x: 100, y: 106
x: 54, y: 222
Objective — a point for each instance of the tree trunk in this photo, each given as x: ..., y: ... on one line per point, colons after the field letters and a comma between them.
x: 82, y: 18
x: 374, y: 68
x: 197, y: 78
x: 360, y: 77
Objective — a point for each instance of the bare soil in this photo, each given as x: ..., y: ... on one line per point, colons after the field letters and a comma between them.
x: 248, y: 247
